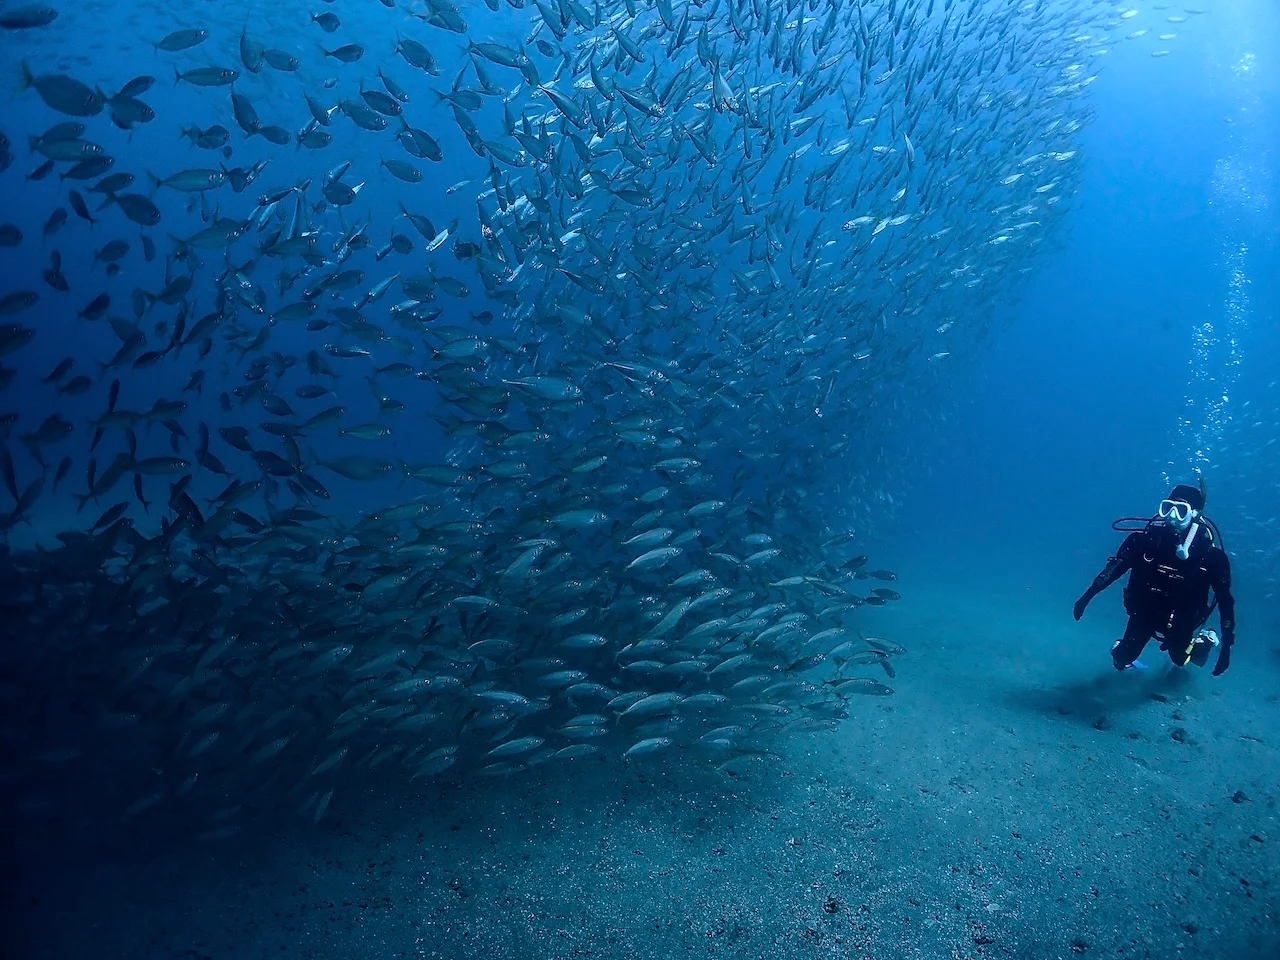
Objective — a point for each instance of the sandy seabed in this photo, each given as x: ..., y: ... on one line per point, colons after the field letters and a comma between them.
x: 1015, y: 798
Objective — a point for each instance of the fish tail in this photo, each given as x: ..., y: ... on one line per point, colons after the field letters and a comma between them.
x: 27, y: 77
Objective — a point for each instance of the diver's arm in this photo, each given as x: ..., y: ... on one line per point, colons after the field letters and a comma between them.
x: 1221, y: 583
x: 1116, y: 568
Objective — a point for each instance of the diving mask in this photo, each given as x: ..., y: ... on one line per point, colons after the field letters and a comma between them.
x: 1177, y: 512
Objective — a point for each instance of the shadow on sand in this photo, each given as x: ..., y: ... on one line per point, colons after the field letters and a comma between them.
x: 1104, y: 693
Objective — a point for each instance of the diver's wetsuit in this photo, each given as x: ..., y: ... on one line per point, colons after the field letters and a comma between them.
x: 1166, y: 595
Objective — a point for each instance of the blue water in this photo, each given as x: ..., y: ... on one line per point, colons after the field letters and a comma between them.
x: 1076, y: 411
x: 1013, y: 797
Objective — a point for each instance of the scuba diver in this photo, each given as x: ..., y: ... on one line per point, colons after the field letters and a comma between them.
x: 1175, y: 558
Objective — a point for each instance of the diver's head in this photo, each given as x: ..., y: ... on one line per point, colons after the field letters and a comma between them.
x: 1181, y: 508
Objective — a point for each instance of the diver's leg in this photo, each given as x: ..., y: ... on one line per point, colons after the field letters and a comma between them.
x: 1136, y: 634
x: 1179, y: 644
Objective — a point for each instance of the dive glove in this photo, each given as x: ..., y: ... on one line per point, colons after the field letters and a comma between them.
x: 1224, y: 659
x: 1083, y: 602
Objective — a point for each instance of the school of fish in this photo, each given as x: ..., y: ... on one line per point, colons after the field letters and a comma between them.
x: 456, y: 388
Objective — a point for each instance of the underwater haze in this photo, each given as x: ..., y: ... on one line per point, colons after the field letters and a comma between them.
x: 546, y: 478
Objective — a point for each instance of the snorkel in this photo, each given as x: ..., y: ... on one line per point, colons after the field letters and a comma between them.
x: 1183, y: 515
x: 1184, y: 548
